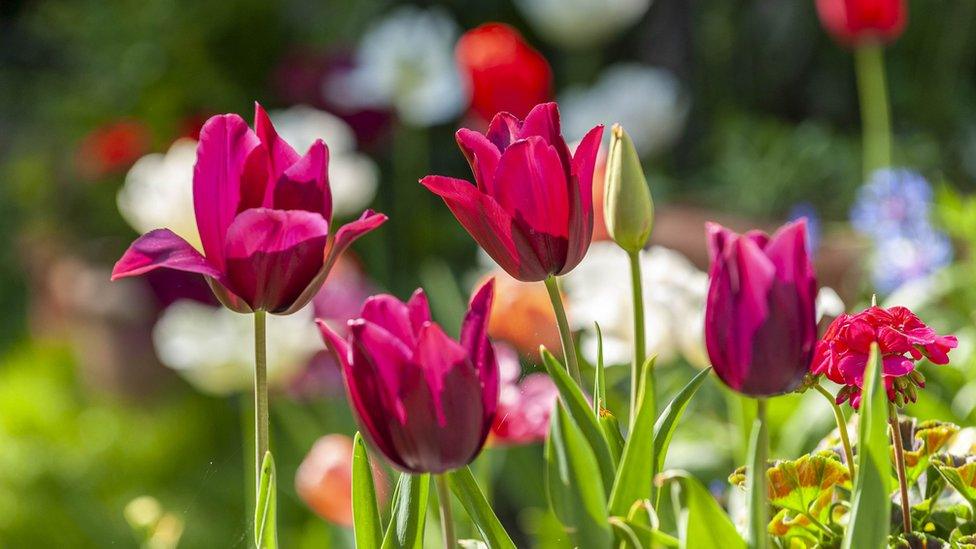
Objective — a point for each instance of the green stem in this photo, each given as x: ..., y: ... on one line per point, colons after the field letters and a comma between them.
x: 873, y: 96
x: 813, y: 520
x: 447, y: 521
x: 756, y: 496
x: 565, y: 335
x: 896, y: 441
x: 845, y: 438
x: 260, y: 392
x: 640, y: 351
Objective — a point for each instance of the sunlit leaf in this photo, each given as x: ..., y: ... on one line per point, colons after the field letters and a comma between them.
x: 921, y: 441
x: 406, y: 528
x: 265, y: 512
x: 635, y: 480
x: 466, y: 489
x: 702, y: 523
x: 365, y: 511
x: 667, y: 422
x: 960, y: 473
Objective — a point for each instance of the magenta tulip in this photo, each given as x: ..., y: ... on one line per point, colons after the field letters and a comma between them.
x: 263, y: 213
x: 760, y: 321
x: 423, y: 399
x: 531, y: 208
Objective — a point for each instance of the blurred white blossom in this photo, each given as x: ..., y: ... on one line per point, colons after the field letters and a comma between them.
x: 208, y: 346
x: 647, y: 101
x: 581, y: 23
x: 158, y: 190
x: 599, y: 290
x: 406, y: 61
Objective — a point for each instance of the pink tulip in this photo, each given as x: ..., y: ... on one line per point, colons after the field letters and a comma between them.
x: 424, y: 400
x: 532, y: 206
x: 263, y: 213
x: 760, y: 322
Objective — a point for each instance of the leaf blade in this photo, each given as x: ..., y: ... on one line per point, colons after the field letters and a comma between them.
x: 265, y: 530
x: 365, y: 511
x: 466, y: 489
x: 406, y: 528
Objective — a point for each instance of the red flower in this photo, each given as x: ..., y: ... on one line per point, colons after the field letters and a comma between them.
x: 902, y: 339
x: 855, y: 22
x: 504, y: 72
x: 524, y: 406
x: 531, y: 207
x: 112, y: 148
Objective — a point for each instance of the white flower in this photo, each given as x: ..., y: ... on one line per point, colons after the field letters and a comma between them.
x: 581, y: 23
x: 158, y: 192
x: 599, y: 290
x: 406, y: 61
x: 647, y: 101
x: 352, y: 176
x: 210, y: 346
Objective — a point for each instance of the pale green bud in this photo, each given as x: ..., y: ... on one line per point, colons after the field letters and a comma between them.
x: 627, y: 206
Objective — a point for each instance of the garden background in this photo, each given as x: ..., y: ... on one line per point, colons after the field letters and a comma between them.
x: 743, y: 111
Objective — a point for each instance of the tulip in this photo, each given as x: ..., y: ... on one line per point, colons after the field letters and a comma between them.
x: 857, y: 22
x: 760, y: 319
x: 504, y: 73
x: 628, y: 209
x: 532, y: 206
x: 424, y: 400
x: 263, y: 214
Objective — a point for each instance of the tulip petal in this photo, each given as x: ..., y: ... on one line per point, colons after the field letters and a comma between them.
x: 363, y: 391
x: 474, y: 338
x: 482, y: 155
x: 281, y: 155
x: 531, y: 186
x: 392, y: 315
x: 162, y: 248
x: 228, y: 170
x: 346, y: 235
x: 272, y: 255
x: 419, y: 309
x: 305, y: 184
x: 503, y: 130
x: 581, y: 203
x: 543, y: 121
x: 490, y: 225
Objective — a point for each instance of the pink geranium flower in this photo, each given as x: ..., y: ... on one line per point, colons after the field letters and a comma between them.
x: 902, y: 338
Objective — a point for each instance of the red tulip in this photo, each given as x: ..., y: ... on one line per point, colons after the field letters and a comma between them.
x: 424, y: 400
x: 112, y: 148
x: 504, y: 73
x: 855, y: 22
x: 760, y: 321
x: 263, y: 213
x: 532, y: 207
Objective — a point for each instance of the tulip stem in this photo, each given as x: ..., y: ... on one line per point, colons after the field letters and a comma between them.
x: 906, y: 515
x: 565, y: 335
x: 640, y: 351
x: 260, y: 393
x: 845, y: 439
x: 447, y: 521
x: 873, y: 96
x: 756, y: 494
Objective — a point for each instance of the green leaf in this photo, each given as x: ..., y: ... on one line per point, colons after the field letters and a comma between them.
x: 960, y: 473
x: 465, y: 488
x: 573, y: 484
x: 575, y: 402
x: 922, y: 440
x: 702, y: 524
x: 265, y: 532
x: 611, y: 430
x: 667, y: 422
x: 600, y: 381
x: 871, y: 507
x: 635, y: 480
x: 365, y: 511
x: 626, y: 534
x: 406, y: 529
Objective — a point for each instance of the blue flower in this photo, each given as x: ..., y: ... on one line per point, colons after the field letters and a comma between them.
x: 892, y: 202
x: 901, y: 259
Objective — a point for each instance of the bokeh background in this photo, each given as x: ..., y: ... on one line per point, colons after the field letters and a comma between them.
x: 124, y: 408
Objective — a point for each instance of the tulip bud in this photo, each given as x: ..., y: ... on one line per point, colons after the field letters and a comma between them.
x: 628, y: 209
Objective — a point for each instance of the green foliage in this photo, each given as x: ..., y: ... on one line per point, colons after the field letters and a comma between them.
x: 702, y: 524
x: 870, y: 507
x: 265, y: 512
x: 366, y: 515
x: 635, y: 480
x: 466, y: 489
x: 406, y: 528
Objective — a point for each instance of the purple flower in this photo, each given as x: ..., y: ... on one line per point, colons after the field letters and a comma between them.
x: 263, y: 213
x: 893, y: 201
x: 902, y: 258
x: 423, y: 399
x: 760, y: 321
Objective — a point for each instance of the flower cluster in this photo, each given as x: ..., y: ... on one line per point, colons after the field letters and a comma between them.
x: 893, y: 209
x: 902, y: 338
